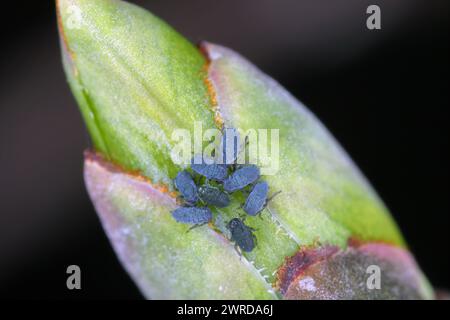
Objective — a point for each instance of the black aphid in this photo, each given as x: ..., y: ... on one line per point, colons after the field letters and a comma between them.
x: 213, y: 196
x: 242, y: 235
x: 257, y: 199
x: 192, y: 215
x: 241, y: 178
x: 186, y: 186
x: 208, y: 169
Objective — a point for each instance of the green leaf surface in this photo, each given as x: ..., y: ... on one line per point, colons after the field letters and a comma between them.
x: 325, y: 198
x: 135, y: 80
x: 165, y: 260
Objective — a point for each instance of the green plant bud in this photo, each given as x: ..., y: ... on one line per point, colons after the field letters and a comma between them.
x: 136, y: 80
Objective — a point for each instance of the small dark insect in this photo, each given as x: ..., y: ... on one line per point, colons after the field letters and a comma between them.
x: 242, y: 235
x: 257, y: 199
x: 213, y: 196
x: 229, y: 146
x: 211, y: 171
x: 187, y: 187
x: 192, y: 215
x: 241, y: 178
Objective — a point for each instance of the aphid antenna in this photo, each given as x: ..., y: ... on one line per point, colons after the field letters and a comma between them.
x: 188, y: 204
x: 195, y: 226
x: 239, y: 251
x: 272, y: 196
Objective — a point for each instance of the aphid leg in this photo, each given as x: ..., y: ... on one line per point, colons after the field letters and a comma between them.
x: 183, y: 202
x: 270, y: 199
x: 238, y: 250
x: 196, y: 226
x: 272, y: 196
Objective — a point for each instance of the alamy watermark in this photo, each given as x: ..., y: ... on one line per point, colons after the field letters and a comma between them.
x: 374, y: 280
x: 373, y: 21
x: 255, y: 146
x: 74, y: 279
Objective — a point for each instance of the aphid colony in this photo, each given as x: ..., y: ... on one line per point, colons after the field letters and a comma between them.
x: 221, y: 180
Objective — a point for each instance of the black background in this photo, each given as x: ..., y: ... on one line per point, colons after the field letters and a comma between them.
x: 384, y: 94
